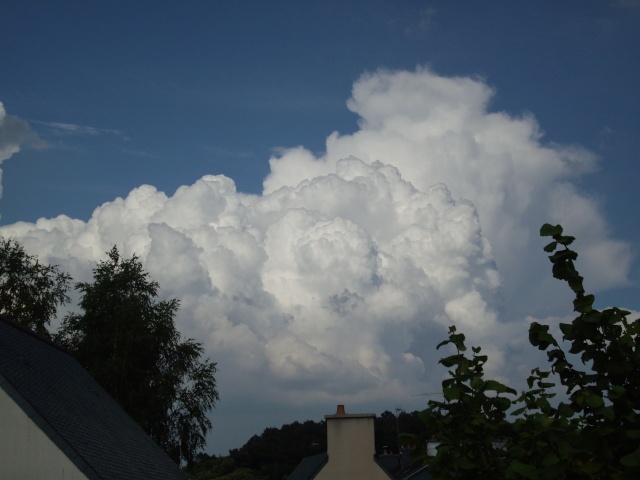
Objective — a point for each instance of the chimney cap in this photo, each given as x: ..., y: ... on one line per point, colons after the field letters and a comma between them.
x: 340, y: 413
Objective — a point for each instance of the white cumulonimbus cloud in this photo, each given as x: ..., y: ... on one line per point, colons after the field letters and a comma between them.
x: 337, y: 282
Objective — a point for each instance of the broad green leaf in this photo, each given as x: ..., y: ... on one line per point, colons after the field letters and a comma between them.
x: 451, y: 393
x: 565, y: 410
x: 550, y: 460
x: 616, y: 391
x: 458, y: 340
x: 539, y: 336
x: 566, y: 328
x: 565, y: 240
x: 503, y: 403
x: 594, y: 400
x: 477, y: 383
x: 609, y: 415
x: 524, y: 470
x: 450, y: 361
x: 575, y: 284
x: 495, y: 386
x: 632, y: 460
x: 548, y: 230
x: 519, y: 411
x: 482, y: 359
x: 583, y: 305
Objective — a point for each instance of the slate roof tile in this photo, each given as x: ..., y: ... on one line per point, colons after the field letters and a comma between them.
x: 75, y: 412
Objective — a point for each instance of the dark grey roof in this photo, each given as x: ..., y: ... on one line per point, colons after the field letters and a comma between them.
x: 308, y: 467
x: 403, y: 467
x: 391, y: 464
x: 75, y: 412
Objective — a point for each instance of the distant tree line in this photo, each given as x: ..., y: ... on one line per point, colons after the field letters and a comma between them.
x: 276, y: 452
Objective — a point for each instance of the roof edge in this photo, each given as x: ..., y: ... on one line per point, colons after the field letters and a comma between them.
x: 51, y: 433
x: 9, y: 321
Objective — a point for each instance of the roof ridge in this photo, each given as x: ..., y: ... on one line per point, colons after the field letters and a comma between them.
x: 9, y: 321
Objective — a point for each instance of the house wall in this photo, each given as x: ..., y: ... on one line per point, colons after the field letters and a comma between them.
x: 351, y: 449
x: 26, y: 452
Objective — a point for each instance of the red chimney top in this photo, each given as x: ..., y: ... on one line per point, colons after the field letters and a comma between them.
x: 340, y: 410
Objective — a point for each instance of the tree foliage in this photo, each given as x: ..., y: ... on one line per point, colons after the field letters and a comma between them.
x: 280, y: 450
x: 593, y: 433
x: 127, y: 340
x: 469, y: 418
x: 221, y: 468
x: 393, y: 431
x: 30, y: 292
x: 276, y: 452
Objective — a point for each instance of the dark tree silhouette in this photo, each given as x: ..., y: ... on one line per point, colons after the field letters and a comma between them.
x: 128, y: 341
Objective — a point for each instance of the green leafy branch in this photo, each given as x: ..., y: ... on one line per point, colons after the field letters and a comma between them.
x: 594, y: 432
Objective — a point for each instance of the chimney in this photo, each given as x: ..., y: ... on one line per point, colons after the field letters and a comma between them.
x: 351, y: 447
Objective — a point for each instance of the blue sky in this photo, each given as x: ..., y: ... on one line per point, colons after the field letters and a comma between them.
x: 213, y: 87
x: 117, y: 95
